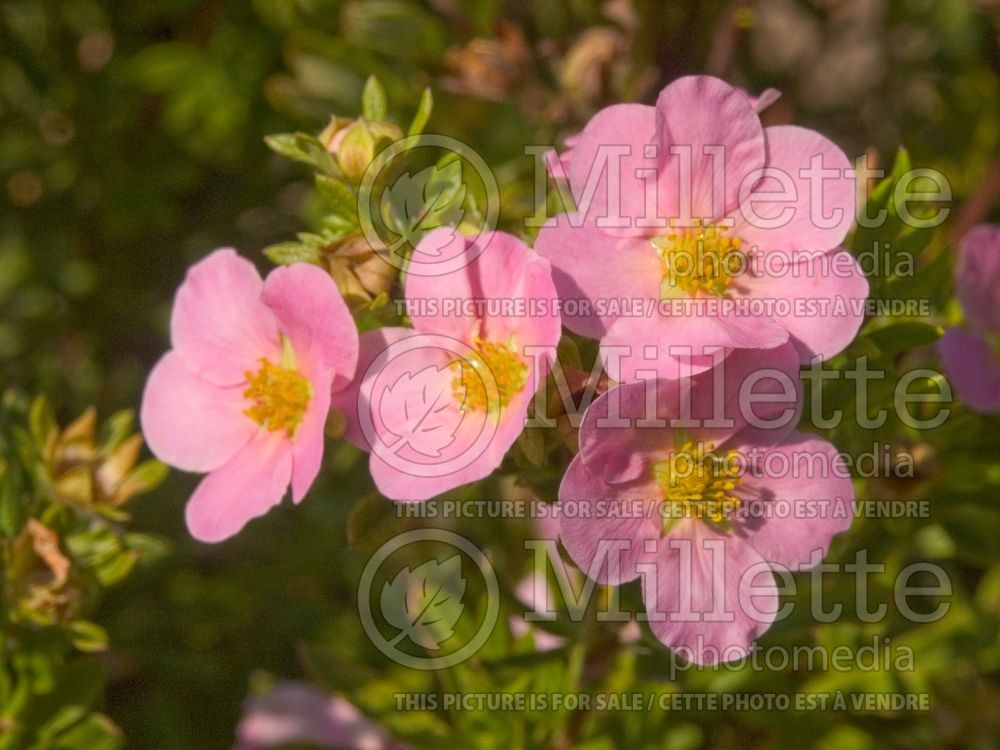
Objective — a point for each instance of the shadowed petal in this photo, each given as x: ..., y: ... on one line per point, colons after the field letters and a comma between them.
x: 711, y: 596
x: 802, y: 498
x: 605, y: 528
x: 973, y: 368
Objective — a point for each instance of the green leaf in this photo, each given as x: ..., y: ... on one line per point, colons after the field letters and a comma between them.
x: 303, y: 148
x: 42, y: 421
x: 148, y: 547
x: 286, y: 253
x: 116, y: 429
x: 373, y: 101
x: 341, y: 199
x: 145, y: 477
x: 420, y: 202
x: 13, y: 513
x: 904, y: 336
x: 87, y: 636
x: 913, y: 242
x: 95, y: 732
x: 423, y: 113
x: 373, y: 521
x: 116, y: 568
x: 532, y: 442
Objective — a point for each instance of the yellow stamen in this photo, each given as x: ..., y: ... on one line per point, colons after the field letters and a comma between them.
x: 490, y: 378
x: 700, y: 484
x: 278, y: 394
x: 701, y: 259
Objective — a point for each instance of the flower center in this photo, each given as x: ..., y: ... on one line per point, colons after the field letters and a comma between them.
x: 699, y: 483
x: 278, y: 394
x: 698, y: 259
x: 490, y: 378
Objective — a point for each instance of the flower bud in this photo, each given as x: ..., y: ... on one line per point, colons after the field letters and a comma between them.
x: 354, y: 143
x: 361, y: 271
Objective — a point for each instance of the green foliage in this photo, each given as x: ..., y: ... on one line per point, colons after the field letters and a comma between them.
x: 64, y: 542
x: 132, y: 141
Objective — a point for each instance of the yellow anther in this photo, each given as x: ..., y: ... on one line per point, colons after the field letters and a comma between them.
x: 699, y: 483
x: 698, y: 260
x: 488, y: 379
x: 278, y: 394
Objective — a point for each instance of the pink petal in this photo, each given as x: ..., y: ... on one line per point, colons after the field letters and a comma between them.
x: 501, y: 271
x: 417, y: 476
x: 619, y: 441
x: 471, y: 447
x: 245, y: 487
x: 308, y: 443
x: 220, y: 327
x: 653, y: 345
x: 821, y: 212
x: 296, y: 713
x: 557, y: 163
x: 428, y: 294
x: 605, y: 528
x: 190, y: 423
x: 459, y: 447
x: 700, y: 601
x: 827, y: 295
x: 696, y: 113
x: 614, y: 153
x: 591, y: 268
x: 803, y: 498
x: 403, y: 410
x: 508, y: 270
x: 978, y: 276
x: 616, y: 446
x: 973, y: 368
x: 370, y: 345
x: 314, y: 317
x: 440, y: 252
x: 749, y: 377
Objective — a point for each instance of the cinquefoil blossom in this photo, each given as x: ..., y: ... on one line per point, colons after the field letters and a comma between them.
x: 245, y: 391
x: 701, y: 487
x: 698, y: 227
x: 438, y: 405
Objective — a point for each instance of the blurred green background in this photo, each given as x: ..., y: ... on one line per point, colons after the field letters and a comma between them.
x: 131, y: 144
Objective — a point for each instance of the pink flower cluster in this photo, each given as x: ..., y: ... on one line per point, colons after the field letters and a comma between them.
x: 699, y: 189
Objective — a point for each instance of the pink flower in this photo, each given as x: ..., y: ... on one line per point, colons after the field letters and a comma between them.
x: 703, y: 504
x: 296, y: 713
x: 440, y: 404
x: 727, y: 233
x: 969, y: 356
x: 244, y: 393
